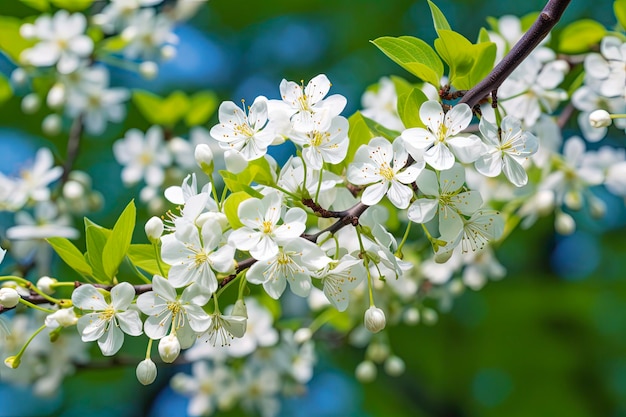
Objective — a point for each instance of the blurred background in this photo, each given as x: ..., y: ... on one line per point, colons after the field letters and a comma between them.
x: 548, y: 340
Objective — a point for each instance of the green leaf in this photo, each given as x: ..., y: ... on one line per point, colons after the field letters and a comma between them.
x: 258, y: 171
x: 114, y: 44
x: 377, y: 129
x: 11, y: 42
x: 579, y: 36
x: 484, y: 58
x: 202, y: 106
x: 402, y: 86
x: 439, y: 20
x: 619, y: 7
x: 414, y: 55
x: 118, y: 242
x: 162, y: 111
x: 72, y: 5
x: 70, y: 255
x: 6, y: 92
x: 409, y: 105
x: 143, y: 256
x: 96, y: 238
x: 359, y: 134
x: 231, y: 207
x: 483, y: 36
x: 41, y: 5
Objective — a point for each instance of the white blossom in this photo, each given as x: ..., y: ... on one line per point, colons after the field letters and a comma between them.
x: 323, y: 144
x: 143, y: 156
x: 339, y: 278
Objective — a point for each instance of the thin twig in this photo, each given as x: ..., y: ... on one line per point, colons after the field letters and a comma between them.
x: 73, y: 145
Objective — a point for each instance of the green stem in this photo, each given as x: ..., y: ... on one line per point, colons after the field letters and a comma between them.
x: 404, y: 239
x: 149, y: 349
x: 367, y: 268
x: 29, y: 285
x: 319, y: 185
x: 30, y: 339
x: 157, y: 256
x: 35, y: 306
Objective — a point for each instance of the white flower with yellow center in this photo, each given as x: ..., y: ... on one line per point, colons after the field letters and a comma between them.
x: 143, y: 156
x: 339, y: 278
x: 108, y: 321
x: 166, y: 310
x: 261, y: 234
x: 324, y: 144
x: 442, y: 142
x: 383, y: 165
x: 248, y: 134
x: 195, y: 255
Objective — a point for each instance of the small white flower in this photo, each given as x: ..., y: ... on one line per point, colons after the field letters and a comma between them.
x: 339, y: 278
x: 442, y: 141
x: 64, y: 317
x: 248, y: 134
x: 34, y: 181
x: 600, y: 118
x: 381, y: 105
x: 293, y: 263
x: 301, y: 104
x: 224, y: 328
x: 507, y: 148
x: 107, y: 321
x: 383, y: 165
x: 261, y: 233
x: 195, y: 256
x: 147, y: 34
x: 154, y: 228
x: 324, y: 144
x: 62, y: 41
x: 182, y: 313
x: 143, y: 156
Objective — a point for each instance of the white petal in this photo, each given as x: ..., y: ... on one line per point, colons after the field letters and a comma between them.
x: 374, y: 193
x: 422, y: 210
x: 130, y: 322
x: 87, y: 297
x: 122, y: 295
x: 111, y: 341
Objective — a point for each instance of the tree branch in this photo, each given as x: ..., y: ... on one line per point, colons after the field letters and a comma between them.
x: 73, y: 145
x: 546, y: 20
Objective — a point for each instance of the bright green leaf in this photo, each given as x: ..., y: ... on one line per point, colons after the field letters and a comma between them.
x: 70, y: 255
x: 579, y: 36
x: 6, y: 92
x: 409, y: 105
x: 377, y: 129
x: 41, y: 5
x: 114, y: 44
x: 118, y: 243
x: 96, y: 239
x: 485, y: 56
x: 483, y: 36
x: 359, y: 134
x: 11, y: 42
x: 162, y: 111
x: 143, y: 256
x: 72, y: 5
x: 402, y: 86
x: 619, y: 7
x: 202, y: 106
x: 231, y: 207
x: 414, y: 55
x: 439, y: 20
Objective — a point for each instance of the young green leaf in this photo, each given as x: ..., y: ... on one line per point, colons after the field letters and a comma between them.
x: 619, y: 7
x: 231, y: 205
x: 409, y: 105
x: 439, y: 20
x: 414, y: 55
x: 11, y: 42
x: 96, y: 238
x: 41, y: 5
x: 118, y: 242
x: 72, y: 5
x: 579, y: 36
x: 162, y: 111
x: 202, y: 105
x: 143, y: 256
x: 70, y: 255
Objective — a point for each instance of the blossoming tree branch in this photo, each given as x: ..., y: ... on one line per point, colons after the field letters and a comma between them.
x: 370, y: 220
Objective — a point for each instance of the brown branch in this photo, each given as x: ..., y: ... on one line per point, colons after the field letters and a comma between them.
x: 73, y: 145
x: 547, y: 19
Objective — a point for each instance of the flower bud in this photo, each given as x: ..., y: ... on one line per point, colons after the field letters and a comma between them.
x: 377, y: 352
x: 12, y: 362
x: 411, y: 316
x: 302, y: 335
x: 234, y: 162
x: 148, y: 70
x: 19, y: 77
x: 146, y: 371
x: 374, y: 319
x: 169, y: 348
x: 204, y: 157
x: 365, y: 371
x: 394, y: 366
x: 28, y: 31
x: 31, y: 103
x: 168, y: 52
x: 429, y: 316
x: 51, y: 124
x: 9, y: 298
x: 600, y: 118
x: 564, y: 223
x: 154, y: 229
x: 44, y: 284
x: 56, y: 96
x: 64, y: 317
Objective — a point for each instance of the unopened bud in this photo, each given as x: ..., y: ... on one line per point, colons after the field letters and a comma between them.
x: 64, y: 317
x: 394, y: 366
x: 377, y: 352
x: 169, y: 348
x: 204, y: 158
x: 146, y: 372
x: 73, y: 190
x: 9, y: 298
x: 19, y: 77
x: 429, y: 316
x: 154, y: 229
x: 564, y: 223
x: 600, y: 118
x: 302, y: 335
x: 51, y: 124
x: 235, y: 163
x: 148, y: 70
x: 374, y: 319
x: 45, y: 284
x: 12, y: 362
x: 31, y: 103
x: 411, y: 316
x: 27, y: 31
x: 365, y: 371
